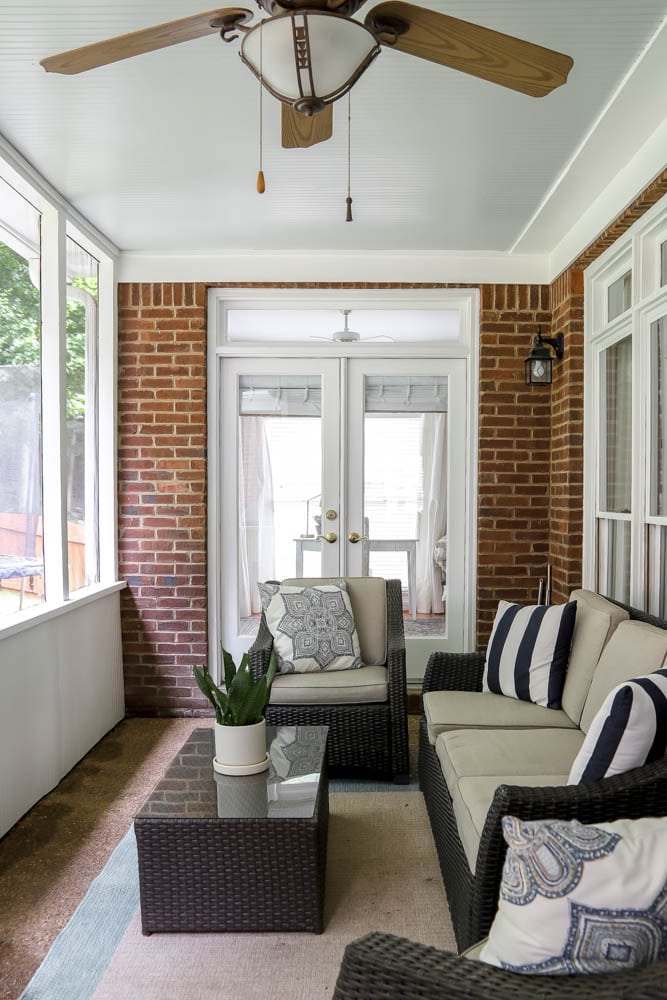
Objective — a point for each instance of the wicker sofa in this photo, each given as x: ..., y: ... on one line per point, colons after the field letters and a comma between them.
x: 385, y: 967
x: 483, y: 756
x: 365, y: 709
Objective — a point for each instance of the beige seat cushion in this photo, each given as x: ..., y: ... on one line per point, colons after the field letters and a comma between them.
x: 472, y: 798
x: 595, y: 622
x: 331, y: 687
x: 634, y: 649
x: 465, y: 753
x: 445, y: 710
x: 368, y: 597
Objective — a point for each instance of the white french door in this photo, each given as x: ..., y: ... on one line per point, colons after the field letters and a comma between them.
x: 339, y: 466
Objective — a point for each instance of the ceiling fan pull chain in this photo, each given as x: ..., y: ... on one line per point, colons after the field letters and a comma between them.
x: 261, y: 184
x: 348, y: 200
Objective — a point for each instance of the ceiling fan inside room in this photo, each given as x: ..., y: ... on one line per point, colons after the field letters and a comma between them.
x: 309, y: 53
x: 347, y: 336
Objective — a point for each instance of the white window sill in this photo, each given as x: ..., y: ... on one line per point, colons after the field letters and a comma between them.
x: 22, y: 620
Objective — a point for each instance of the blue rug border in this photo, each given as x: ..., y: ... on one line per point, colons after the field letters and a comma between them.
x: 87, y: 942
x: 80, y: 954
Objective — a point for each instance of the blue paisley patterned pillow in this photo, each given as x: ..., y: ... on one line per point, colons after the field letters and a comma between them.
x: 581, y: 899
x: 312, y: 627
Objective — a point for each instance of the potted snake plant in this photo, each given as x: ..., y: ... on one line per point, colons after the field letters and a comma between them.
x: 240, y: 726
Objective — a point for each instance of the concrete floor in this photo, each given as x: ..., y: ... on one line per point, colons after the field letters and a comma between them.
x: 49, y: 859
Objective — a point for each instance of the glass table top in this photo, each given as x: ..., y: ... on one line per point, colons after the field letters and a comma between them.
x: 191, y: 789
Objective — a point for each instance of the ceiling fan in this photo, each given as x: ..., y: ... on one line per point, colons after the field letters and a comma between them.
x: 347, y: 336
x: 309, y: 53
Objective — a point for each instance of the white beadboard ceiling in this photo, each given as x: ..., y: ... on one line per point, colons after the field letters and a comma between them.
x: 160, y: 152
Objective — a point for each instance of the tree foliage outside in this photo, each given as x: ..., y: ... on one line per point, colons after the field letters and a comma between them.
x: 20, y: 326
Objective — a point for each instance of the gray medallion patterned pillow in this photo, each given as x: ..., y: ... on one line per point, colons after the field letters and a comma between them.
x: 312, y: 627
x: 576, y: 898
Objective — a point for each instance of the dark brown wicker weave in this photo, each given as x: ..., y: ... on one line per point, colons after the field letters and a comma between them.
x: 198, y: 873
x: 364, y: 740
x: 385, y: 967
x: 473, y: 897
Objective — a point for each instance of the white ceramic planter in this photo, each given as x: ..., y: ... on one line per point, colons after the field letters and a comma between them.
x: 240, y: 749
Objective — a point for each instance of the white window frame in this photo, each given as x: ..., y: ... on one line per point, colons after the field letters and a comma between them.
x: 640, y: 247
x: 59, y: 220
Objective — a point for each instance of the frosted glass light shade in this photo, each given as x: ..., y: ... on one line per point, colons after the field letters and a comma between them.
x: 309, y: 58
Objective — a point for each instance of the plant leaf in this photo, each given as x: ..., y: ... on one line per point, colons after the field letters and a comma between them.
x: 254, y: 705
x: 229, y: 667
x: 239, y: 691
x: 210, y: 690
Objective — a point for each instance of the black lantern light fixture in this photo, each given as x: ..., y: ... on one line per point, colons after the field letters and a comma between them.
x: 539, y: 362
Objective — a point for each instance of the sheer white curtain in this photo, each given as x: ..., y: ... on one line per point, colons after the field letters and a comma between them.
x: 433, y: 517
x: 256, y: 520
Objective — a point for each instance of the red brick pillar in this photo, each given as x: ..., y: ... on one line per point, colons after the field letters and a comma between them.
x: 162, y: 494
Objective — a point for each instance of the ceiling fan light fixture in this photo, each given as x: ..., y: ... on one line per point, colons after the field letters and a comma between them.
x: 309, y: 58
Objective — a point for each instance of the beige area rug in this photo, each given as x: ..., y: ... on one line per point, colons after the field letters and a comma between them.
x: 382, y: 874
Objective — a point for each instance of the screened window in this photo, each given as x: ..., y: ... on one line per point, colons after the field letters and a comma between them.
x: 625, y: 539
x: 53, y: 333
x: 21, y: 522
x: 81, y: 396
x: 619, y: 296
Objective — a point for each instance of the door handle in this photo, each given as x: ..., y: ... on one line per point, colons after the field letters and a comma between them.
x: 355, y: 537
x: 330, y: 537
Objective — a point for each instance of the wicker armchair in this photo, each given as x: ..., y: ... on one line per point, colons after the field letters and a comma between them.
x: 385, y: 967
x: 473, y: 896
x: 365, y: 739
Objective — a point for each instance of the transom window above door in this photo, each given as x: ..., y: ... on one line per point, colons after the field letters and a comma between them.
x: 317, y: 326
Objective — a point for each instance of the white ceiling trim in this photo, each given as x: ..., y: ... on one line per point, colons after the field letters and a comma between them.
x: 22, y: 176
x: 644, y: 167
x: 645, y: 76
x: 457, y: 268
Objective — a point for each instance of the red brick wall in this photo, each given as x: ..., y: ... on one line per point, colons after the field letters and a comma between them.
x: 162, y: 494
x: 514, y: 451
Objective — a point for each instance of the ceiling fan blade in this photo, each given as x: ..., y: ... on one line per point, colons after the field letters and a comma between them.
x: 300, y: 131
x: 147, y: 40
x: 470, y: 48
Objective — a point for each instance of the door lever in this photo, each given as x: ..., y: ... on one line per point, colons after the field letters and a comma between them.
x: 355, y: 537
x: 330, y: 537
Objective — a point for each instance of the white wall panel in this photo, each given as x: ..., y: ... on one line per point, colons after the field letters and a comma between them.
x: 61, y: 690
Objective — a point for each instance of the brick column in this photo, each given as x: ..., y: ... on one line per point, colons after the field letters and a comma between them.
x: 162, y: 494
x: 514, y: 452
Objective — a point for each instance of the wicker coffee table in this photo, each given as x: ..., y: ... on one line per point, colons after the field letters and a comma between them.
x: 220, y: 853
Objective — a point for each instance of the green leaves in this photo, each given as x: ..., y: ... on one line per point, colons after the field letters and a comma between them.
x: 244, y: 700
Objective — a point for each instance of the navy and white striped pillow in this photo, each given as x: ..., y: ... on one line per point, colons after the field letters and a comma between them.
x: 629, y: 729
x: 528, y: 652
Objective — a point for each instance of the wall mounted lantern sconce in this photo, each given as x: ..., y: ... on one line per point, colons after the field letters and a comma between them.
x: 539, y: 362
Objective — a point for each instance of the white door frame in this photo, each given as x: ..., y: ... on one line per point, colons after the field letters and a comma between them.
x: 465, y: 347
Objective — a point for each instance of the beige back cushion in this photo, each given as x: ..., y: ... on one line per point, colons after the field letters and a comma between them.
x: 634, y: 649
x: 368, y: 597
x: 595, y: 621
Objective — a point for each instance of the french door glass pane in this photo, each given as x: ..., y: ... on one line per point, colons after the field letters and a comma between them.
x: 405, y: 492
x: 614, y: 559
x: 619, y: 296
x: 280, y: 484
x: 658, y: 482
x: 21, y: 540
x: 81, y: 395
x: 616, y: 465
